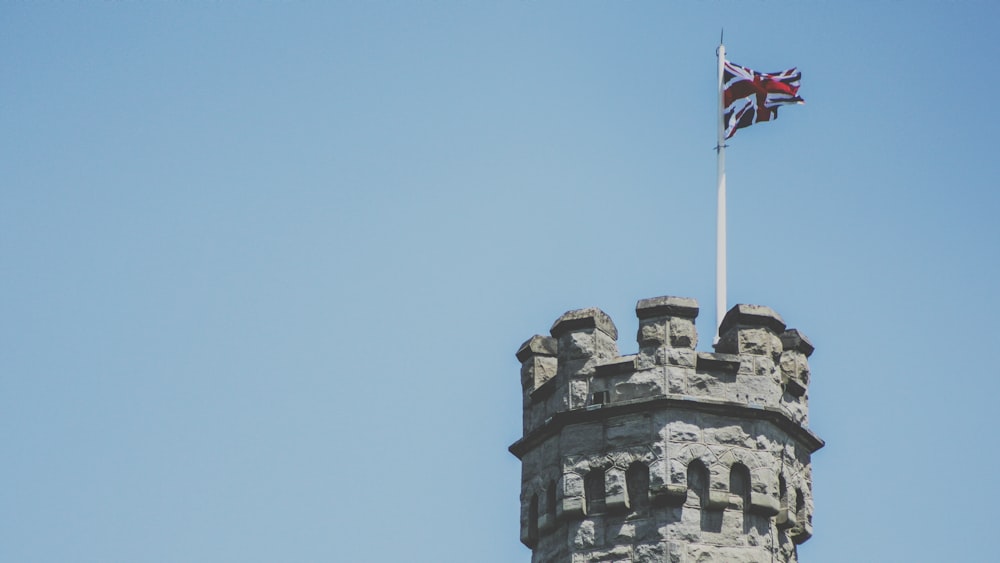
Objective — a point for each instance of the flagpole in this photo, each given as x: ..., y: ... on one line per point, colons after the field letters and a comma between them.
x: 720, y: 233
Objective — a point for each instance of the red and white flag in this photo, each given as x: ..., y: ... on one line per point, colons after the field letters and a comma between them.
x: 750, y: 96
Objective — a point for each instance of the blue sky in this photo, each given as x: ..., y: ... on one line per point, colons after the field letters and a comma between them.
x: 265, y: 265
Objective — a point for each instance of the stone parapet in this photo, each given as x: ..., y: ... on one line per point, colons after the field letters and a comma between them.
x: 668, y: 454
x: 756, y: 361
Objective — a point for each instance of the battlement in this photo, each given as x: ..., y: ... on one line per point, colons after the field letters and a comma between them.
x: 757, y: 362
x: 668, y: 454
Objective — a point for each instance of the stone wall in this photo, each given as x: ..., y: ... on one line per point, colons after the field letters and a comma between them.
x: 669, y: 454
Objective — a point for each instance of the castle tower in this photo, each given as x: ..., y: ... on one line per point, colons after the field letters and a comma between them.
x: 668, y: 455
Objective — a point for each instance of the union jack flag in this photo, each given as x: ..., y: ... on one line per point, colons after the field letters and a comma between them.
x: 750, y: 96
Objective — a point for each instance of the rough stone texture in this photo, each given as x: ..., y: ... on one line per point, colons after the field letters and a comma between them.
x: 667, y: 430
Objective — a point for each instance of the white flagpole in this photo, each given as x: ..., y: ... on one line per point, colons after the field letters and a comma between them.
x: 720, y: 234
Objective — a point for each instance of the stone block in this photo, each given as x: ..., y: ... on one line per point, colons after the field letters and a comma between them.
x: 615, y: 493
x: 537, y: 345
x: 668, y: 494
x: 534, y: 416
x: 579, y: 392
x: 642, y: 384
x: 582, y: 319
x: 573, y: 504
x: 717, y: 500
x: 627, y: 430
x: 677, y: 380
x: 801, y: 533
x: 730, y: 435
x: 760, y: 391
x: 678, y: 473
x: 646, y: 359
x: 792, y: 339
x: 578, y: 344
x: 764, y: 504
x: 680, y: 357
x: 752, y: 316
x: 726, y: 363
x: 542, y: 392
x: 763, y: 366
x: 795, y: 388
x: 537, y: 370
x: 607, y: 347
x: 623, y: 533
x: 577, y: 369
x: 581, y: 438
x: 667, y: 306
x: 683, y: 432
x: 584, y: 534
x: 650, y: 553
x: 682, y: 333
x: 793, y: 365
x: 652, y: 332
x: 785, y: 519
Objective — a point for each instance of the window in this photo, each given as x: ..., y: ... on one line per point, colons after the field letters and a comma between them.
x: 697, y: 475
x: 637, y: 484
x: 698, y: 482
x: 739, y: 483
x: 550, y: 499
x: 593, y: 489
x: 533, y: 520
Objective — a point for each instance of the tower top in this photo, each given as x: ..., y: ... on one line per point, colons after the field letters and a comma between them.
x: 696, y: 454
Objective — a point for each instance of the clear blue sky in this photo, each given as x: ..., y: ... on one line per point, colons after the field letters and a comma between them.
x: 265, y: 265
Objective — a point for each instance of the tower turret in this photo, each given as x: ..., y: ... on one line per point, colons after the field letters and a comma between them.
x: 667, y: 455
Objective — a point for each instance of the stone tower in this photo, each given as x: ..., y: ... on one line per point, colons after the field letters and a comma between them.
x: 668, y: 455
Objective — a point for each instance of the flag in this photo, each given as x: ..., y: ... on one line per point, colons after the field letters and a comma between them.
x: 750, y: 96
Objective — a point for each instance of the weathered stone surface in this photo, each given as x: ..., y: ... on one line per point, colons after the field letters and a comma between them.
x: 764, y: 504
x: 679, y: 357
x: 616, y: 495
x: 641, y: 384
x: 584, y: 535
x: 682, y: 333
x: 733, y: 435
x: 624, y: 364
x: 537, y: 370
x: 794, y: 340
x: 579, y: 344
x: 688, y: 456
x: 667, y: 306
x: 537, y: 345
x: 591, y: 317
x: 627, y: 431
x: 785, y: 519
x: 717, y: 500
x: 683, y: 432
x: 652, y: 332
x: 581, y: 438
x: 729, y: 363
x: 752, y: 316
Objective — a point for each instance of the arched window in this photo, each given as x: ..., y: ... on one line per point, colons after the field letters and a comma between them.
x: 698, y: 482
x: 800, y: 506
x: 533, y: 520
x: 550, y: 499
x: 739, y: 483
x: 637, y: 484
x: 593, y: 490
x: 697, y: 476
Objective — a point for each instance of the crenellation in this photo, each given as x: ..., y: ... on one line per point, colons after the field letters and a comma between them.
x: 611, y: 442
